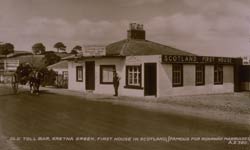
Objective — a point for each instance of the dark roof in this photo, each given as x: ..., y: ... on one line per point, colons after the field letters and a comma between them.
x: 130, y: 47
x: 74, y: 57
x: 28, y: 57
x: 16, y: 54
x: 19, y: 53
x: 69, y: 57
x: 35, y: 60
x: 62, y: 55
x: 59, y: 65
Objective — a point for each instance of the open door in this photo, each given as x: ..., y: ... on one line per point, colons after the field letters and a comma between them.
x: 150, y: 79
x: 90, y: 75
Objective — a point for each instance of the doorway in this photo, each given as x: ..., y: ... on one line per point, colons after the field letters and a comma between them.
x: 90, y: 75
x: 150, y: 79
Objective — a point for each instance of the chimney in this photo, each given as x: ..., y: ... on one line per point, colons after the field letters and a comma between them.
x: 136, y: 32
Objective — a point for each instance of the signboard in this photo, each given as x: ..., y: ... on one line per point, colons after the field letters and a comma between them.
x: 94, y: 50
x: 169, y: 59
x: 246, y: 60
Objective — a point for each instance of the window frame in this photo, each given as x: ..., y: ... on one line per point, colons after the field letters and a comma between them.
x: 219, y: 72
x: 101, y: 73
x: 79, y: 68
x: 127, y: 85
x: 180, y: 84
x: 65, y: 73
x: 196, y: 74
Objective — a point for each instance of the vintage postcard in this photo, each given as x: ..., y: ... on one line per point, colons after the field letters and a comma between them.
x: 124, y: 74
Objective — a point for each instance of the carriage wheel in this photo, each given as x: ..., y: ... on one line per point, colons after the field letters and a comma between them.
x: 14, y: 84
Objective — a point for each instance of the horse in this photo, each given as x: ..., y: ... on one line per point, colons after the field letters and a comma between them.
x: 34, y: 81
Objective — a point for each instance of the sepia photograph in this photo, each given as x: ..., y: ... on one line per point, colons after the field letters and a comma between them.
x: 124, y: 75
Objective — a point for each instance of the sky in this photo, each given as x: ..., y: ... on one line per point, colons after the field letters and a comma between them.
x: 203, y: 27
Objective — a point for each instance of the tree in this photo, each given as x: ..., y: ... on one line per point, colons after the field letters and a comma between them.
x: 76, y: 49
x: 6, y: 48
x: 60, y: 47
x: 9, y: 47
x: 73, y: 52
x: 49, y: 76
x: 51, y: 58
x: 38, y: 48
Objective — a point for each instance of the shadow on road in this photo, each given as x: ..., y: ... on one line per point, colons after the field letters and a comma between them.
x: 24, y: 92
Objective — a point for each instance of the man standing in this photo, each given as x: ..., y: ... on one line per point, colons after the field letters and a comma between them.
x: 116, y: 80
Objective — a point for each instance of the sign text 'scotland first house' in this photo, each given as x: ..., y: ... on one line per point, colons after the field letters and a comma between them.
x: 169, y: 59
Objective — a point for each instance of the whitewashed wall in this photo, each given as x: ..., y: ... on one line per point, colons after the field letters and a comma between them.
x: 140, y: 60
x: 99, y: 88
x: 164, y: 77
x: 108, y: 88
x: 189, y: 87
x: 73, y: 84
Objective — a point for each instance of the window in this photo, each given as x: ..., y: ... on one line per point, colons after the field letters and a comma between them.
x: 200, y: 75
x: 218, y: 74
x: 133, y: 76
x: 79, y: 74
x: 65, y: 75
x: 106, y: 74
x: 177, y: 75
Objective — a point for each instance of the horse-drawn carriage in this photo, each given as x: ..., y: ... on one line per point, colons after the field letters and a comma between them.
x: 13, y: 79
x: 12, y: 73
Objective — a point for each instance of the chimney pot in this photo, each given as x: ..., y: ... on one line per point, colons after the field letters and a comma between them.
x: 136, y: 31
x: 133, y: 26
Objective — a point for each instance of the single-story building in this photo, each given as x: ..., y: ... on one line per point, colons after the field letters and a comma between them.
x: 7, y: 69
x: 10, y: 62
x: 148, y: 68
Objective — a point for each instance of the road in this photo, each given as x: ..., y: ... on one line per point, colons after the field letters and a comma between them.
x: 52, y: 115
